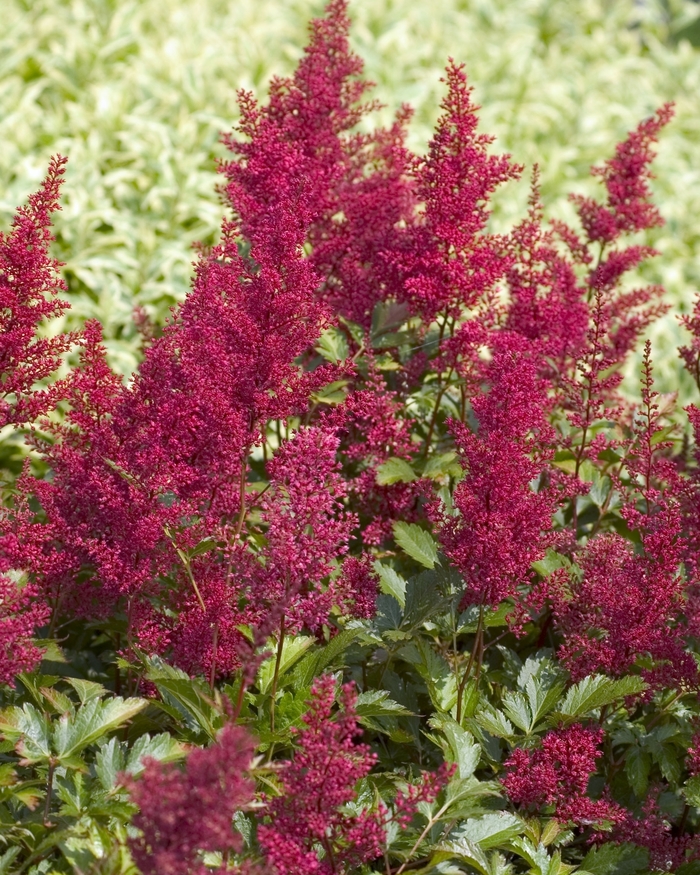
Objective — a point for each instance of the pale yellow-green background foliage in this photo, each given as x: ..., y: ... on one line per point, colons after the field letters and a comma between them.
x: 136, y: 93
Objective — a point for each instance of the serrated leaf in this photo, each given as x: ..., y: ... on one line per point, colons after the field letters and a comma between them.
x: 417, y: 543
x: 551, y: 562
x: 391, y: 582
x: 30, y: 729
x: 332, y: 393
x: 691, y: 791
x: 93, y: 720
x: 637, y: 768
x: 463, y: 850
x: 468, y: 620
x: 357, y: 332
x: 333, y: 345
x: 293, y: 648
x: 491, y: 830
x: 109, y: 762
x: 465, y: 751
x: 204, y: 546
x: 87, y: 690
x: 610, y: 859
x: 442, y: 465
x: 424, y: 599
x: 516, y: 707
x: 395, y: 470
x: 543, y: 693
x: 162, y: 747
x: 181, y: 697
x: 376, y: 703
x: 431, y: 666
x: 335, y: 647
x: 494, y: 721
x: 7, y: 858
x: 596, y: 691
x: 536, y: 855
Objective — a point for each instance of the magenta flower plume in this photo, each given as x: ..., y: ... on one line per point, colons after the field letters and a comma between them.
x: 186, y: 811
x: 143, y: 471
x: 626, y: 178
x: 627, y: 602
x: 653, y: 831
x: 21, y: 611
x: 319, y: 780
x: 447, y: 259
x: 353, y: 189
x: 557, y: 773
x: 504, y: 506
x: 307, y: 528
x: 547, y: 303
x: 29, y: 283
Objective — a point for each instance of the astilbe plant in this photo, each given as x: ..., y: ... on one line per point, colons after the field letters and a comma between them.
x: 375, y: 529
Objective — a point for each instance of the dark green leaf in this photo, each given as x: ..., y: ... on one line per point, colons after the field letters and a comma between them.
x: 596, y: 691
x: 391, y: 582
x: 417, y: 543
x: 395, y: 471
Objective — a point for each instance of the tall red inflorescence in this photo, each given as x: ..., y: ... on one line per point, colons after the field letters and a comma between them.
x: 22, y: 610
x: 546, y: 302
x: 319, y: 780
x: 184, y: 812
x: 29, y: 283
x: 144, y: 473
x: 557, y: 773
x: 625, y: 602
x: 626, y: 177
x: 504, y: 503
x: 355, y: 186
x: 447, y: 260
x: 617, y: 316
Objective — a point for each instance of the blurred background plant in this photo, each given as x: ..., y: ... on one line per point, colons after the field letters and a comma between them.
x: 137, y: 92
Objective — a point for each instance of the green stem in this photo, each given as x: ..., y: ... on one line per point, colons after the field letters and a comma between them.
x: 214, y: 646
x: 476, y: 650
x: 421, y: 837
x: 275, y: 676
x: 49, y: 791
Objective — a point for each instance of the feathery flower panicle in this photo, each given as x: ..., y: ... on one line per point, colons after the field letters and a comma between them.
x: 626, y: 178
x: 29, y: 283
x: 431, y: 785
x: 22, y: 610
x: 353, y: 189
x: 504, y: 507
x: 546, y: 302
x: 691, y: 354
x: 627, y: 602
x: 359, y: 586
x: 307, y: 528
x: 319, y: 780
x: 557, y: 773
x: 654, y: 832
x: 143, y: 471
x: 376, y: 430
x: 186, y: 811
x: 447, y: 259
x: 616, y: 317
